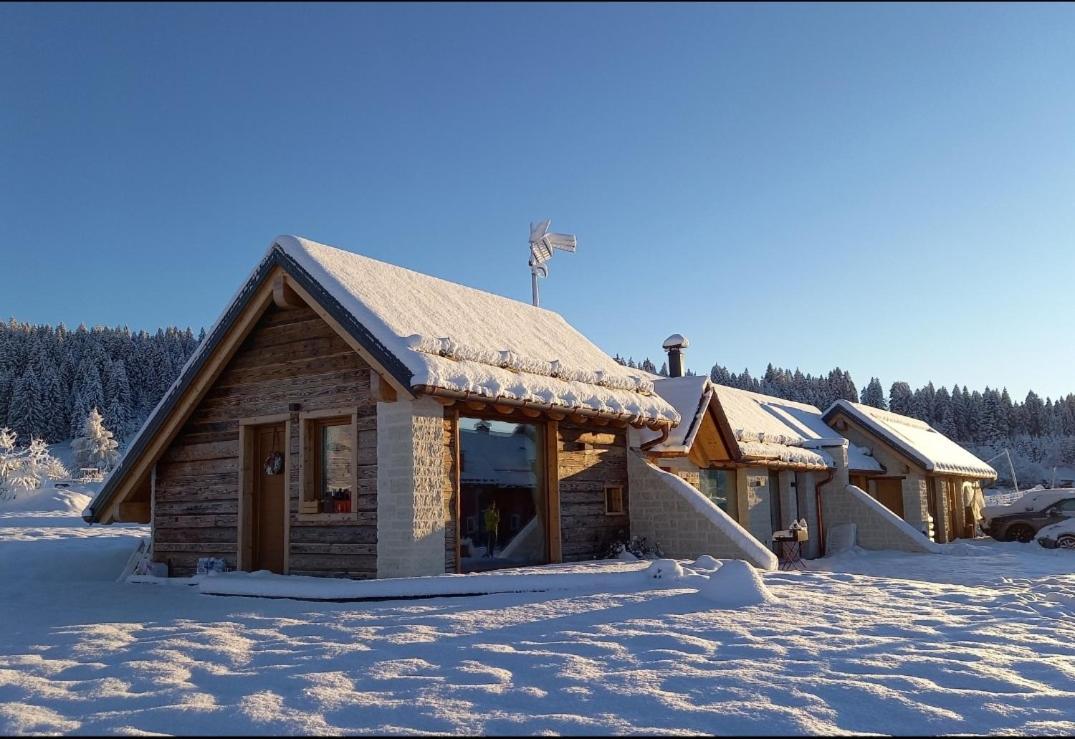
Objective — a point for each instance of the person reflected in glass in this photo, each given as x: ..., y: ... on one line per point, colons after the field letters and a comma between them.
x: 492, y: 523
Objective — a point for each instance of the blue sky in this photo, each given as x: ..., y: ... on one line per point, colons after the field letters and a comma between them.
x: 884, y: 188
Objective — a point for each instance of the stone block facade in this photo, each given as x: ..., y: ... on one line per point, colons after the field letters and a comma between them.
x: 665, y: 513
x: 877, y: 526
x: 410, y: 505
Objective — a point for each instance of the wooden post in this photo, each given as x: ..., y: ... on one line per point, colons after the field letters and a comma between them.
x: 552, y: 486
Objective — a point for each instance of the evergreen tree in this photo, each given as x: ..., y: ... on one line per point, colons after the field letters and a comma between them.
x: 874, y: 394
x: 900, y: 399
x: 95, y: 447
x: 118, y: 391
x: 27, y: 416
x: 87, y: 393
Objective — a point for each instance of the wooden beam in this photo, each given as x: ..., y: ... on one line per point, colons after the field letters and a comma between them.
x: 506, y: 410
x: 446, y: 402
x: 552, y: 488
x: 556, y: 415
x: 589, y: 437
x: 474, y: 405
x: 531, y: 412
x: 134, y: 512
x: 381, y: 390
x: 283, y: 295
x: 578, y: 418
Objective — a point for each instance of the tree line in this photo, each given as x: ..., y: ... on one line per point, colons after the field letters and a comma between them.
x: 52, y: 377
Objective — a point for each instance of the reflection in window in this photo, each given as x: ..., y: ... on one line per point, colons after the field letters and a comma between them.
x: 330, y: 479
x: 719, y: 487
x: 502, y: 491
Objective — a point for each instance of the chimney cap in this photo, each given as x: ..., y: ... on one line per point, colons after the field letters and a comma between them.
x: 676, y: 341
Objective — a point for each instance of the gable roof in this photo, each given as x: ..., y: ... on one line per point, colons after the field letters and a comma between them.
x: 690, y: 397
x: 915, y: 439
x: 426, y: 334
x: 457, y: 338
x: 761, y: 426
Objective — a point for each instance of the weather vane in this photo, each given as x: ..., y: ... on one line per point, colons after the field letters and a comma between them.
x: 541, y: 245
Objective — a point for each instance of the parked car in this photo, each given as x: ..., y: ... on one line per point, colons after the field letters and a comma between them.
x: 1022, y: 519
x: 1058, y: 535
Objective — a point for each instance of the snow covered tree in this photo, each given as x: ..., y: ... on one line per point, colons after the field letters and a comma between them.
x: 95, y: 447
x: 88, y: 393
x: 874, y: 394
x: 25, y: 468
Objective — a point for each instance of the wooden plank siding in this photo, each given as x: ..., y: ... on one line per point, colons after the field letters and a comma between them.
x: 291, y: 356
x: 589, y: 459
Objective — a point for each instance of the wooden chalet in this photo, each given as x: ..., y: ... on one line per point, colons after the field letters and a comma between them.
x: 761, y: 459
x: 350, y: 417
x: 926, y: 478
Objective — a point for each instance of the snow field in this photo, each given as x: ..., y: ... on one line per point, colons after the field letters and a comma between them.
x: 981, y: 642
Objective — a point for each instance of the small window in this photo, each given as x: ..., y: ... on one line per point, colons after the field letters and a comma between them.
x: 330, y: 466
x: 614, y: 500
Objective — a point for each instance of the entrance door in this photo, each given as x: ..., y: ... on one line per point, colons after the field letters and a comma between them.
x: 890, y: 494
x: 955, y: 510
x: 269, y: 498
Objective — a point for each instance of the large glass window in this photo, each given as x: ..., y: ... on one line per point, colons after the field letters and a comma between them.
x: 503, y: 506
x: 719, y: 487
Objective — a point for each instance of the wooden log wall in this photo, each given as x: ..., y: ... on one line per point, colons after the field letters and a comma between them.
x: 589, y: 459
x: 291, y: 356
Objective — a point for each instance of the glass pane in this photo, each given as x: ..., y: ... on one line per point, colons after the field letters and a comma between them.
x: 718, y: 485
x: 502, y: 495
x: 337, y: 459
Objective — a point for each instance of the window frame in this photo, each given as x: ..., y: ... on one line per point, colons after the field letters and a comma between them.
x: 310, y: 425
x: 623, y: 506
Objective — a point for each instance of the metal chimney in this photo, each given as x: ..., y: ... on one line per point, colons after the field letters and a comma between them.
x: 675, y: 346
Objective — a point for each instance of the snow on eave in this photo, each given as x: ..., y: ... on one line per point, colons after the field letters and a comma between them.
x: 910, y: 442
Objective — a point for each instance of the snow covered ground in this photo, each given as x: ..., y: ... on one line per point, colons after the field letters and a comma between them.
x: 979, y: 639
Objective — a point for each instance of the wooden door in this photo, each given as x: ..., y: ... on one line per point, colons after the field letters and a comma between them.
x: 955, y: 510
x: 890, y: 494
x: 269, y: 500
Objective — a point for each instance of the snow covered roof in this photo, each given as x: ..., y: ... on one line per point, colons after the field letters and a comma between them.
x: 766, y: 427
x: 916, y: 439
x: 690, y: 397
x: 860, y: 459
x: 456, y: 338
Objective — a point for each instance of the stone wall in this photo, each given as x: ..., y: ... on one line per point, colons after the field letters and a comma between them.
x: 668, y: 511
x: 877, y: 527
x: 915, y: 500
x: 410, y: 502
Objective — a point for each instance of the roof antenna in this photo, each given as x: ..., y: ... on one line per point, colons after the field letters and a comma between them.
x: 541, y: 245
